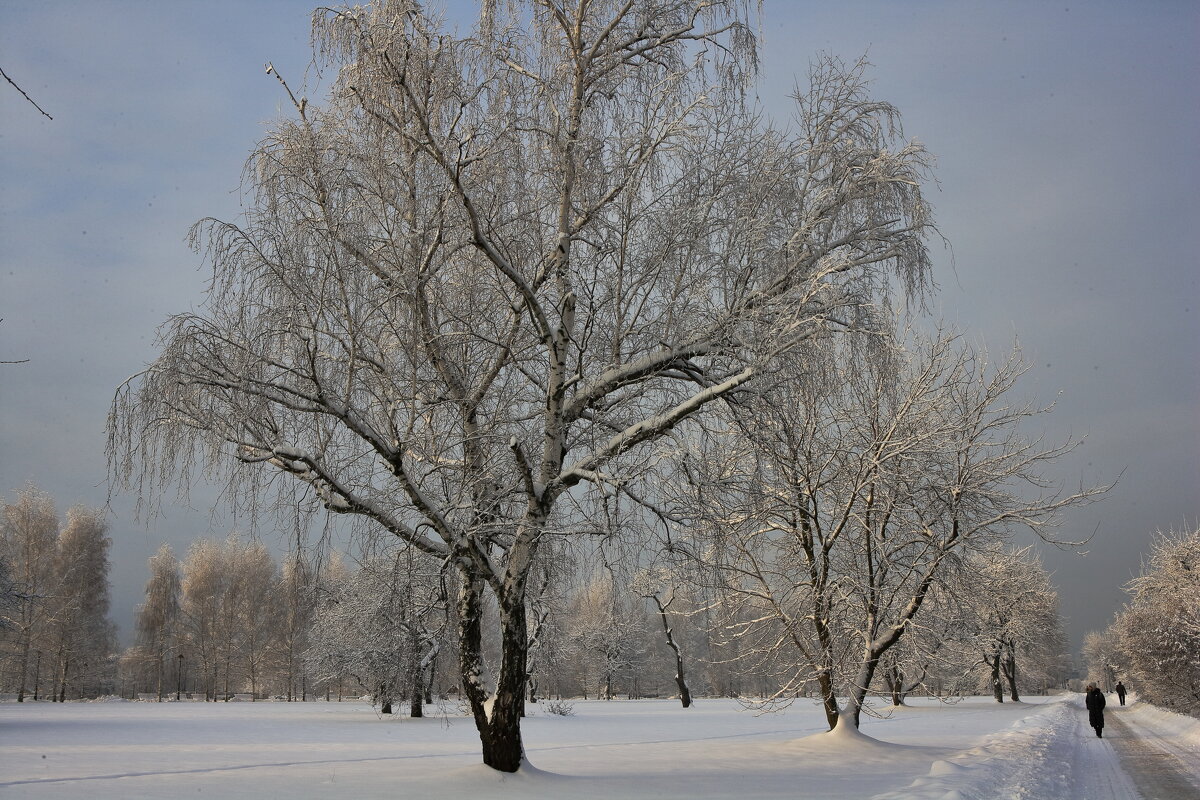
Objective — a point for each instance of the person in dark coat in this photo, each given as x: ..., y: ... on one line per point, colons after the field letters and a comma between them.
x: 1121, y: 692
x: 1094, y: 700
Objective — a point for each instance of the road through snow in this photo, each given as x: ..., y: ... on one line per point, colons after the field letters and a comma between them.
x: 1162, y: 766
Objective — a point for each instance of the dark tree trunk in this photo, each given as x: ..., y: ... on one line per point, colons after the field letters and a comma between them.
x: 1010, y: 676
x: 416, y: 695
x: 416, y: 673
x: 685, y: 696
x: 997, y: 686
x: 893, y: 676
x: 499, y: 733
x: 828, y: 699
x: 509, y: 704
x: 858, y: 693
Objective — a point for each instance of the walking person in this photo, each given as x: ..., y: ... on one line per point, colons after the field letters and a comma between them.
x: 1094, y: 700
x: 1121, y: 692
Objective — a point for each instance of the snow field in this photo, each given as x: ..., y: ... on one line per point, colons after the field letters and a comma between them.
x: 631, y: 749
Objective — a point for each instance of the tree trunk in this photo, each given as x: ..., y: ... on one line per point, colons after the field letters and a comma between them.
x: 858, y: 692
x: 828, y: 699
x: 685, y: 696
x: 416, y: 700
x: 26, y: 643
x: 499, y: 732
x: 62, y: 681
x: 893, y: 676
x: 1010, y: 675
x: 997, y: 686
x: 416, y: 672
x: 531, y: 682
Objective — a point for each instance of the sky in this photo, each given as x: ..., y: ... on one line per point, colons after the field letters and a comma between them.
x: 1066, y: 138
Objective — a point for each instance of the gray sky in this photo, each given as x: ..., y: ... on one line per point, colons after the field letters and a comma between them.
x: 1066, y: 136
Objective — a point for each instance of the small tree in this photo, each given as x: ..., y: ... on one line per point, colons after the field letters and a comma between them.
x: 205, y: 582
x: 159, y: 619
x: 383, y: 626
x: 1013, y: 614
x: 81, y: 634
x: 297, y: 593
x: 658, y: 585
x: 257, y: 610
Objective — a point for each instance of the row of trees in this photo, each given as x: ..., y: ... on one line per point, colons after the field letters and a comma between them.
x: 55, y: 631
x: 508, y: 287
x: 1153, y: 644
x: 227, y: 620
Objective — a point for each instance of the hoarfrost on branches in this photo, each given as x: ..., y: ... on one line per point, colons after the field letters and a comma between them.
x: 495, y: 269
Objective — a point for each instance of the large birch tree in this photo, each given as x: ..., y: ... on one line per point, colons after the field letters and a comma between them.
x: 496, y: 270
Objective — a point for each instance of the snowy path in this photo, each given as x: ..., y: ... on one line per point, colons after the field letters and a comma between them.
x: 1146, y: 754
x: 1162, y: 766
x: 1095, y: 765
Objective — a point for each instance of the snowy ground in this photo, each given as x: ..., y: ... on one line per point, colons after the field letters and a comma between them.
x: 971, y: 750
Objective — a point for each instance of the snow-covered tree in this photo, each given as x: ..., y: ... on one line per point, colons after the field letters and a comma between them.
x: 230, y: 615
x: 257, y: 611
x: 297, y: 597
x: 925, y: 657
x: 30, y: 530
x: 56, y: 622
x: 1013, y: 617
x: 663, y: 586
x: 497, y: 268
x: 10, y: 595
x: 159, y: 636
x: 844, y: 498
x: 205, y: 582
x: 1103, y: 656
x: 1158, y: 634
x: 383, y: 626
x: 81, y: 635
x: 610, y: 633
